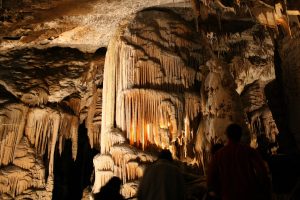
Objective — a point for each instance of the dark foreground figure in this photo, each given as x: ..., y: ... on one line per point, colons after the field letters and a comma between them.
x: 237, y: 172
x: 162, y: 180
x: 110, y: 191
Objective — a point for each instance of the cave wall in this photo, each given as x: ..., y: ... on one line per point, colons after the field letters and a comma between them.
x: 170, y: 81
x: 45, y: 95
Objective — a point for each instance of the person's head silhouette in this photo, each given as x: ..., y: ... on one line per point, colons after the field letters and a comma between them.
x: 110, y: 191
x: 114, y: 184
x: 234, y: 132
x: 166, y: 155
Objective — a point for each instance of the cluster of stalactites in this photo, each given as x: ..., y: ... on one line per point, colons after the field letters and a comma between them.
x: 45, y: 126
x: 152, y: 66
x: 12, y: 123
x: 156, y: 117
x: 147, y: 69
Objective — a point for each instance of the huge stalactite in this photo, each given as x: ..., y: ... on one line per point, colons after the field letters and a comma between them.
x: 160, y: 77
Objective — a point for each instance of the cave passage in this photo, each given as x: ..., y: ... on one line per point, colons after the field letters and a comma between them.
x: 71, y: 177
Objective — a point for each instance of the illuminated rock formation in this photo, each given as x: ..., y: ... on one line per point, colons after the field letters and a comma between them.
x: 43, y: 101
x: 149, y: 89
x: 174, y: 77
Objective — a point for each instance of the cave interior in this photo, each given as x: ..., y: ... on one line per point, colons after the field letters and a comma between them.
x: 91, y: 89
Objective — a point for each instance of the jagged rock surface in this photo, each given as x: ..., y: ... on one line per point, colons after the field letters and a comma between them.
x: 45, y: 95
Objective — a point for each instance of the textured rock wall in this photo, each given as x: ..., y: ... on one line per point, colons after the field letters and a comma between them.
x: 45, y: 95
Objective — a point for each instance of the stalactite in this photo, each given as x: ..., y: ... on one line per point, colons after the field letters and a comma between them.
x: 160, y: 110
x: 45, y: 126
x: 119, y: 153
x: 68, y: 129
x: 40, y: 127
x: 192, y: 105
x: 152, y: 100
x: 74, y: 136
x: 131, y: 170
x: 52, y: 143
x: 12, y: 123
x: 104, y: 162
x: 94, y: 118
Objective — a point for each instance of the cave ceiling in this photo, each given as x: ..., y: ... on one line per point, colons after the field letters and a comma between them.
x: 89, y: 24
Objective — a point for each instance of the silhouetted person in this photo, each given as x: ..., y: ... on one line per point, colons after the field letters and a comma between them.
x: 162, y: 180
x: 237, y: 172
x: 110, y: 191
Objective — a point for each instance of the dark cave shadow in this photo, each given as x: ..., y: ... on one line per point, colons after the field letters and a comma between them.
x: 72, y: 177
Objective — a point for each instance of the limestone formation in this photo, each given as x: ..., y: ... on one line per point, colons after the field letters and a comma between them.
x: 140, y: 76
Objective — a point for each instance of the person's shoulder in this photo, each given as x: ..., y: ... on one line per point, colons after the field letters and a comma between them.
x: 222, y: 150
x: 250, y: 150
